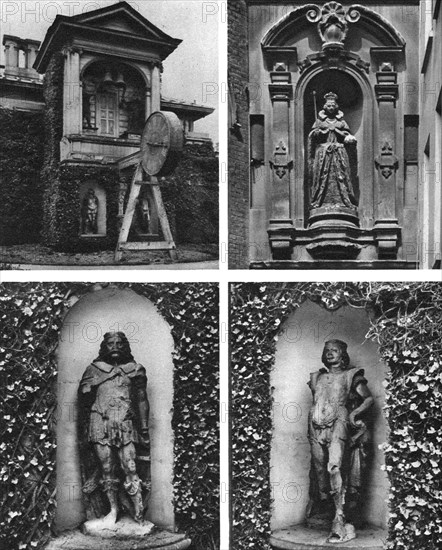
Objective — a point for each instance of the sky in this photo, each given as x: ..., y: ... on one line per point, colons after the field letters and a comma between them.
x: 190, y: 72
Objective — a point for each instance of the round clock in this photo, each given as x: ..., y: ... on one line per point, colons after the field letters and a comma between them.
x: 161, y: 143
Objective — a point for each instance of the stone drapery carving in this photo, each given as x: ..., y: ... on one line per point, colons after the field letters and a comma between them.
x: 339, y: 440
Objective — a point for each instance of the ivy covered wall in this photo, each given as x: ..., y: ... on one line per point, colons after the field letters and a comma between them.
x: 63, y: 207
x: 406, y: 322
x: 31, y: 318
x: 21, y: 157
x: 191, y: 196
x: 53, y: 131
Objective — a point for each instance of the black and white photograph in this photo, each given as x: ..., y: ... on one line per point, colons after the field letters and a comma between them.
x: 220, y: 275
x: 109, y: 146
x: 335, y: 125
x: 335, y: 407
x: 109, y: 432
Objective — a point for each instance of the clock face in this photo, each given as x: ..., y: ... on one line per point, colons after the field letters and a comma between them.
x: 161, y: 143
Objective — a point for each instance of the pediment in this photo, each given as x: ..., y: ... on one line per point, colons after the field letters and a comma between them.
x: 116, y: 24
x: 122, y: 18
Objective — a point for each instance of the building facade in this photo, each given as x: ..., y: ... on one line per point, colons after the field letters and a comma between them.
x: 363, y: 208
x: 94, y: 81
x: 430, y: 135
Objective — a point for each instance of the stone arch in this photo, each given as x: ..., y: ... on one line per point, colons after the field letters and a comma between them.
x: 130, y: 64
x: 152, y: 345
x: 295, y: 21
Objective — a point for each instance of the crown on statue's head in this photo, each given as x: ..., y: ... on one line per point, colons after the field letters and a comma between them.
x: 331, y: 96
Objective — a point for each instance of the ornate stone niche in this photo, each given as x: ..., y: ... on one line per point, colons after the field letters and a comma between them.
x: 298, y: 354
x: 355, y: 53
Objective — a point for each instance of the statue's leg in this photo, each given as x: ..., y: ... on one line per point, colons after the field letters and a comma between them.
x: 319, y: 456
x: 133, y: 483
x: 336, y: 454
x: 109, y: 482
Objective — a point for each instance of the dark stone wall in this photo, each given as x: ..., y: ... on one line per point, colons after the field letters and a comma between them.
x: 238, y: 147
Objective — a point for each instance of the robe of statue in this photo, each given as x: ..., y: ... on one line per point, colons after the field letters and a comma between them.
x: 332, y: 163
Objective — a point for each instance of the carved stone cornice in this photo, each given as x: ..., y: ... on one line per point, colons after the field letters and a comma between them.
x: 280, y: 54
x: 386, y: 88
x: 281, y: 92
x: 337, y: 59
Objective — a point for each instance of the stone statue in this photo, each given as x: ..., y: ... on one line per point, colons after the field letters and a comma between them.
x: 143, y: 215
x: 339, y: 440
x: 332, y: 160
x: 90, y: 213
x: 114, y: 436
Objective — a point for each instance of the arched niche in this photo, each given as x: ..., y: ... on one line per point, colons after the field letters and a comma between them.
x: 152, y: 345
x: 356, y: 100
x: 113, y: 98
x: 298, y: 353
x: 100, y: 194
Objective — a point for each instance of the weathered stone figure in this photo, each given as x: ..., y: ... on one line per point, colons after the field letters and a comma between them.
x: 338, y: 438
x: 90, y: 213
x: 114, y: 434
x: 330, y: 148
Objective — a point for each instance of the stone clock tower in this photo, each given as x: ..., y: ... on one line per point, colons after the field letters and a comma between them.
x: 102, y: 81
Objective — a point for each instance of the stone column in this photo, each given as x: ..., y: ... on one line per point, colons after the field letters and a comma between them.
x: 386, y: 228
x: 72, y: 92
x: 148, y: 97
x: 11, y: 56
x: 280, y: 224
x: 156, y: 89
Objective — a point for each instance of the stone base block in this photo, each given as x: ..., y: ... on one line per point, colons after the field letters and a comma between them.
x: 300, y: 537
x: 159, y: 539
x: 334, y: 264
x: 125, y: 528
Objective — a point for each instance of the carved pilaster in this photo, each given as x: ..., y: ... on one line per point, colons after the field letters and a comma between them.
x: 280, y: 224
x: 386, y: 228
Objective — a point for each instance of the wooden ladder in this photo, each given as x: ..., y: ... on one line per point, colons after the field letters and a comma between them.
x: 135, y: 189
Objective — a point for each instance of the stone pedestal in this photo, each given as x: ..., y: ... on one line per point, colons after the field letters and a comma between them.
x: 164, y: 540
x: 300, y: 537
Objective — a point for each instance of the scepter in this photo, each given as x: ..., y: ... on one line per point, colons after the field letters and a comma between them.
x: 314, y: 103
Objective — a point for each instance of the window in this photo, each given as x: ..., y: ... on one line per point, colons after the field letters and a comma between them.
x: 107, y: 108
